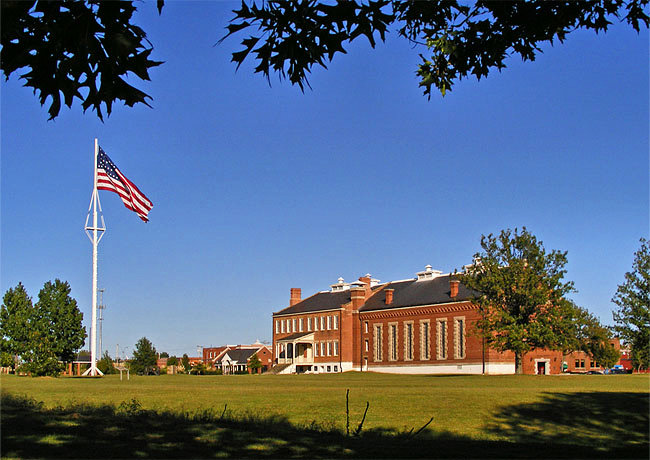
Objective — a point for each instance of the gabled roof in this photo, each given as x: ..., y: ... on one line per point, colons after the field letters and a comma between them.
x: 240, y: 355
x: 319, y: 301
x: 412, y: 293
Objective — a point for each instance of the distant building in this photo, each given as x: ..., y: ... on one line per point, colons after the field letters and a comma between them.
x: 421, y: 325
x: 232, y: 359
x: 581, y: 362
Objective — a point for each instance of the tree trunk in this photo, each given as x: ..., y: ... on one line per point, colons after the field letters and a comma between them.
x: 519, y: 363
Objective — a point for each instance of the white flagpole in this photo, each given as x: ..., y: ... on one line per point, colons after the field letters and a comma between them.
x: 94, y: 202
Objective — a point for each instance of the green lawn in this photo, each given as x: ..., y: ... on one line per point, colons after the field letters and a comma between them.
x: 474, y: 416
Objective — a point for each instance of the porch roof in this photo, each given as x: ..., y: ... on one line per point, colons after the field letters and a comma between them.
x: 297, y: 336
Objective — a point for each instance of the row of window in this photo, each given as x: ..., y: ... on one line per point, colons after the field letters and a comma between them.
x: 329, y: 348
x: 580, y: 364
x: 326, y: 348
x: 315, y: 323
x: 407, y: 332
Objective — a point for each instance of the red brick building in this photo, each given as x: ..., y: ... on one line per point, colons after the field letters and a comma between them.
x: 236, y: 358
x: 419, y: 325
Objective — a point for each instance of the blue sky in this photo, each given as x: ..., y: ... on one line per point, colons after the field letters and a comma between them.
x: 259, y: 189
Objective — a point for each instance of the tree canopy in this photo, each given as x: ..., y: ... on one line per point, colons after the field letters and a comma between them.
x: 73, y: 49
x: 105, y: 364
x: 588, y: 334
x: 15, y: 317
x: 520, y: 294
x: 254, y: 362
x: 632, y: 317
x: 44, y: 335
x: 85, y: 49
x: 460, y: 39
x: 144, y: 356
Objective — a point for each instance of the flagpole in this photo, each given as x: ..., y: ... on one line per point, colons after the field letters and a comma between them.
x: 93, y: 371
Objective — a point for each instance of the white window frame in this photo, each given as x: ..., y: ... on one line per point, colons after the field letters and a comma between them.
x: 329, y: 322
x: 282, y: 326
x: 393, y: 342
x: 442, y: 338
x: 409, y: 353
x: 425, y: 345
x: 377, y: 340
x: 309, y: 324
x: 460, y: 338
x: 335, y: 320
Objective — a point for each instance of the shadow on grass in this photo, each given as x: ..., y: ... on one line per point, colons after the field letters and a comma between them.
x: 605, y: 421
x: 30, y: 430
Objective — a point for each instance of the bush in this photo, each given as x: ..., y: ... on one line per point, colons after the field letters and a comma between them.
x: 105, y: 365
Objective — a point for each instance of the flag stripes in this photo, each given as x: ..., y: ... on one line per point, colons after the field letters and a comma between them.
x: 110, y: 178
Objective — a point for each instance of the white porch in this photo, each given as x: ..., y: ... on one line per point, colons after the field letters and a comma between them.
x: 297, y: 349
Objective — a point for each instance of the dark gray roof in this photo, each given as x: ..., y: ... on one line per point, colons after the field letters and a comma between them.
x: 240, y: 355
x: 411, y: 293
x: 295, y: 336
x: 319, y: 301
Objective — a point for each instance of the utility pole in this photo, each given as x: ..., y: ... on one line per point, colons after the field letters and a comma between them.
x: 101, y: 307
x: 117, y: 353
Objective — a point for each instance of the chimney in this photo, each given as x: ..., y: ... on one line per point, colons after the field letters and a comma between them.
x: 357, y: 296
x: 453, y: 287
x: 295, y: 296
x: 389, y: 296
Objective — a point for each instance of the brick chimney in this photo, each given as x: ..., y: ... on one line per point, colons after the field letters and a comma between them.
x: 389, y: 296
x: 357, y: 296
x: 453, y: 287
x: 295, y: 296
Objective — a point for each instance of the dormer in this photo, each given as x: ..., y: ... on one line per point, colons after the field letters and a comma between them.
x: 341, y: 285
x: 428, y: 274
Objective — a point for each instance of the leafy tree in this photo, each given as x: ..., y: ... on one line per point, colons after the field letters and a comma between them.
x: 105, y: 365
x: 144, y: 356
x: 461, y: 39
x: 172, y: 361
x: 254, y: 363
x: 61, y: 320
x: 45, y: 335
x: 198, y: 369
x: 84, y: 50
x: 520, y: 294
x: 632, y: 317
x: 16, y: 315
x: 586, y: 333
x: 164, y: 354
x: 185, y: 362
x: 79, y: 50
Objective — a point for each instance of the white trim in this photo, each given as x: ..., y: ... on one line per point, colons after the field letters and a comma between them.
x: 314, y: 312
x: 418, y: 306
x: 447, y: 368
x: 547, y: 366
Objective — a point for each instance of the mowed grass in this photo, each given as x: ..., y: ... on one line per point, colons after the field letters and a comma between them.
x: 606, y: 415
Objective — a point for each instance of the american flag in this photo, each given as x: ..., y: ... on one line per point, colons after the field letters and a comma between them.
x: 110, y: 178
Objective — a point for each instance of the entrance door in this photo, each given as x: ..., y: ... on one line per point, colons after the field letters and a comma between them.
x: 541, y: 368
